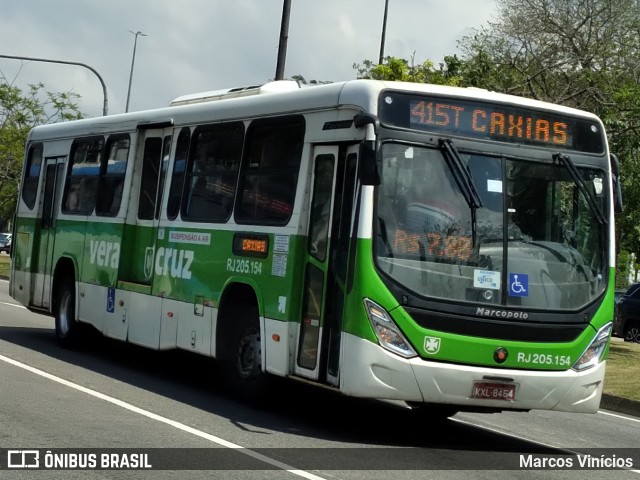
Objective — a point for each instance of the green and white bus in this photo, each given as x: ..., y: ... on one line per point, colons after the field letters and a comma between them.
x: 446, y: 247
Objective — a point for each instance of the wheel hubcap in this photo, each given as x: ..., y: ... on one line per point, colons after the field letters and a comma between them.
x: 633, y: 334
x: 249, y: 361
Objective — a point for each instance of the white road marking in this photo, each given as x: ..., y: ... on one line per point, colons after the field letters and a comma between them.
x: 624, y: 417
x: 180, y: 426
x: 12, y: 305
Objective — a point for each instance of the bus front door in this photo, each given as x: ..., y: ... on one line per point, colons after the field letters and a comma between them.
x: 141, y: 230
x: 325, y: 277
x: 54, y: 171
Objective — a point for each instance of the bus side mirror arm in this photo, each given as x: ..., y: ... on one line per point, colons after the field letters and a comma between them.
x: 368, y: 165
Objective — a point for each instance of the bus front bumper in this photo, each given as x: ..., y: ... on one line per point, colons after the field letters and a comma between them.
x: 367, y: 370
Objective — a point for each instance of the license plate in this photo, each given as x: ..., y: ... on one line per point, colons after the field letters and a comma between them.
x: 494, y: 391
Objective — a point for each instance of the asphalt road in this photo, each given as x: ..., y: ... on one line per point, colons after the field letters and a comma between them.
x: 170, y: 406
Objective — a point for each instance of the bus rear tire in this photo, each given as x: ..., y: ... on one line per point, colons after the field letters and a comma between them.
x: 242, y: 359
x: 67, y: 327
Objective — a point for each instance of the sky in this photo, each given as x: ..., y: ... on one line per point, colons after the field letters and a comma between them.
x: 201, y: 45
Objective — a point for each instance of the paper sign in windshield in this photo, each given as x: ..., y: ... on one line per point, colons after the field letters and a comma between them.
x: 486, y: 279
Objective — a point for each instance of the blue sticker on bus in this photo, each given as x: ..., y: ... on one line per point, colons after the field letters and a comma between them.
x: 111, y: 299
x: 518, y: 285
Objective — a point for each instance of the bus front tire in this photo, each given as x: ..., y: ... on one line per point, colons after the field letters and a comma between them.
x: 67, y: 327
x: 242, y: 361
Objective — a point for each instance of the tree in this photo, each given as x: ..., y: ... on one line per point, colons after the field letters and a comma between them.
x: 19, y: 113
x: 563, y: 51
x: 402, y: 70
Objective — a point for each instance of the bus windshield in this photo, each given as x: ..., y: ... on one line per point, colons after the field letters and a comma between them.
x: 532, y: 241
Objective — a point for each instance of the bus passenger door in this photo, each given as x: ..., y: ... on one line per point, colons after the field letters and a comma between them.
x: 54, y: 171
x: 325, y: 277
x: 137, y: 260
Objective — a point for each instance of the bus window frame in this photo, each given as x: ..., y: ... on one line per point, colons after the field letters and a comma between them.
x: 31, y: 182
x: 219, y: 131
x: 104, y: 175
x: 69, y: 176
x: 260, y: 130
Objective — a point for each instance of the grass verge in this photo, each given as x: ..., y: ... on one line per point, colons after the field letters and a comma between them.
x: 622, y: 377
x: 5, y: 263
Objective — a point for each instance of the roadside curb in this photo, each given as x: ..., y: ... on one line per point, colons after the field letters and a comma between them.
x: 620, y: 405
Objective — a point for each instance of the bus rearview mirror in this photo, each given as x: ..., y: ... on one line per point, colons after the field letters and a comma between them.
x: 369, y: 171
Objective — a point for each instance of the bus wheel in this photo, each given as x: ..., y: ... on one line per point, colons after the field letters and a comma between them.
x: 242, y: 362
x: 67, y: 327
x: 632, y: 333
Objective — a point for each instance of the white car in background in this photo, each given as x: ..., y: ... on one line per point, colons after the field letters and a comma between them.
x: 5, y: 242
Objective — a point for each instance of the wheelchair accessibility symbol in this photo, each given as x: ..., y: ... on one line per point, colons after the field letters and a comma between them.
x: 518, y: 285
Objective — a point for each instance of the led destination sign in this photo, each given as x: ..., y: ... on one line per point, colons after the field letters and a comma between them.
x: 251, y: 245
x: 498, y: 122
x: 490, y: 123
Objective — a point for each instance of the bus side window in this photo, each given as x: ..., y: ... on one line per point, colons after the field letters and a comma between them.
x: 112, y: 174
x: 269, y: 177
x: 82, y: 176
x: 177, y: 177
x: 212, y: 172
x: 32, y: 175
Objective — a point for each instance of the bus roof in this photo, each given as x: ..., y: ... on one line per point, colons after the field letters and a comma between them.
x: 274, y: 98
x: 271, y: 87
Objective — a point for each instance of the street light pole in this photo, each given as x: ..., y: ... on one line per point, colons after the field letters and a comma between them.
x: 284, y: 35
x: 105, y: 105
x: 133, y: 60
x: 384, y: 32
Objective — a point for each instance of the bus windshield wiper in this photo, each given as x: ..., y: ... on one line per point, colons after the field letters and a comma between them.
x: 577, y: 178
x: 460, y: 173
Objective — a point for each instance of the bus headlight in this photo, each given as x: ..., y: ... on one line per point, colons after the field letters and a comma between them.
x: 388, y: 333
x: 592, y: 356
